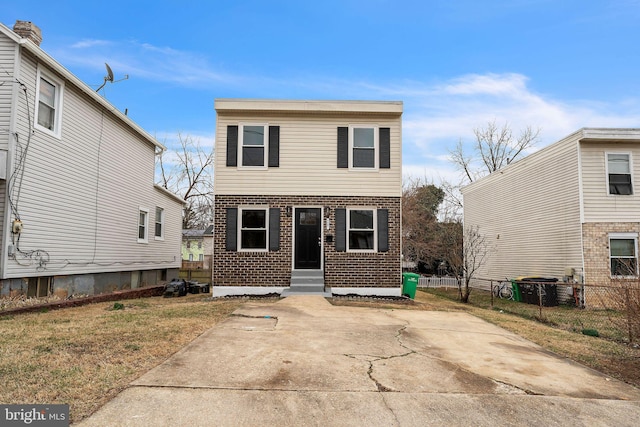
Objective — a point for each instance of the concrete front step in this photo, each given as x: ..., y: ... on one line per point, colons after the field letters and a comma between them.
x: 306, y: 291
x: 307, y: 282
x: 307, y: 278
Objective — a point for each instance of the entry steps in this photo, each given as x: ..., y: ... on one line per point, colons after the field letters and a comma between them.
x: 306, y: 282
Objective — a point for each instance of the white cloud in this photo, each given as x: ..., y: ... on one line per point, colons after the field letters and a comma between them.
x: 90, y: 43
x: 143, y: 60
x: 437, y: 117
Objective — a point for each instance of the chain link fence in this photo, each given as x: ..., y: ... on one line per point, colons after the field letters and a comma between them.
x: 611, y: 312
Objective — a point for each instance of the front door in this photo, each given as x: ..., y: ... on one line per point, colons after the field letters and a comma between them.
x: 308, y: 243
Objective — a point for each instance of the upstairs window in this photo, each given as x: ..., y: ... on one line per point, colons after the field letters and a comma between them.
x: 48, y: 104
x: 623, y: 250
x: 253, y: 145
x: 619, y: 173
x: 364, y: 148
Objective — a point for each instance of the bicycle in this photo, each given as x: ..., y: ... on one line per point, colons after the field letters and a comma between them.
x: 503, y: 290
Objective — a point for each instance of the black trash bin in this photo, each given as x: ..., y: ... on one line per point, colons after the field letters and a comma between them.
x: 531, y: 287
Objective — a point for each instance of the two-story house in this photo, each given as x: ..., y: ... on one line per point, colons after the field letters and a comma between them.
x: 197, y: 247
x: 307, y: 197
x: 570, y: 209
x: 79, y: 211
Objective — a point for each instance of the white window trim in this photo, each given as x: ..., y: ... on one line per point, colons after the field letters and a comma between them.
x: 266, y: 224
x: 376, y: 147
x: 265, y: 164
x: 161, y: 236
x: 59, y: 84
x: 146, y: 225
x: 375, y: 229
x: 606, y: 165
x: 615, y: 236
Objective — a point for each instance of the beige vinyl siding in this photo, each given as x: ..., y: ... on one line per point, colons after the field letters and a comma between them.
x: 308, y: 158
x: 599, y: 205
x: 530, y: 214
x: 81, y: 194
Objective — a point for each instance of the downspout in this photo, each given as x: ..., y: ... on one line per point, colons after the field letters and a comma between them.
x: 11, y: 152
x: 581, y: 198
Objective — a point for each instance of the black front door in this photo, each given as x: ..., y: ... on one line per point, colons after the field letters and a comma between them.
x: 308, y: 244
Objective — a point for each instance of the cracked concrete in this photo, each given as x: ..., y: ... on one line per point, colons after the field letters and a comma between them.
x: 301, y: 361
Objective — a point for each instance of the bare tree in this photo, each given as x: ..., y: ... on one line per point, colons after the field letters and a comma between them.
x: 494, y: 148
x: 186, y: 171
x: 467, y: 251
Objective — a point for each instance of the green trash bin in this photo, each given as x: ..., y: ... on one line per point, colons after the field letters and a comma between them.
x: 410, y: 284
x: 516, y: 290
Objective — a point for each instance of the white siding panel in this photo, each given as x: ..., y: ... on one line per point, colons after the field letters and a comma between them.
x: 80, y: 195
x: 599, y: 206
x: 308, y: 159
x: 530, y: 214
x: 7, y: 82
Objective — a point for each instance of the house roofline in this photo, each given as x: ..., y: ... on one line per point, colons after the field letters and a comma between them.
x: 584, y: 134
x: 40, y: 54
x: 170, y: 194
x: 312, y: 106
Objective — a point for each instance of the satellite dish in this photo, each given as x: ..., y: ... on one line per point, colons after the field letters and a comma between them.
x: 109, y: 77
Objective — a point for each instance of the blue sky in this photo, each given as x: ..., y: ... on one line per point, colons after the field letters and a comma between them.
x: 457, y: 64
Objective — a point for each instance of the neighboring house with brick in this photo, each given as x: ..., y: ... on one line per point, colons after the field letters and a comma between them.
x: 307, y: 197
x: 570, y: 209
x: 79, y: 211
x: 197, y: 247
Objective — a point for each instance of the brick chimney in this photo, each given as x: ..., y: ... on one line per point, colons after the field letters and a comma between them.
x: 28, y: 30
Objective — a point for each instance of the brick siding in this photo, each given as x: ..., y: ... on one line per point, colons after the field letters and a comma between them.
x: 595, y: 241
x: 342, y: 269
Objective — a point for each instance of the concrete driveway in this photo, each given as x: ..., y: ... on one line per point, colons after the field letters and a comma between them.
x: 301, y: 361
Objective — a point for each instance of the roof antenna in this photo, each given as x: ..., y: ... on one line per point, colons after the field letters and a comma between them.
x: 109, y: 77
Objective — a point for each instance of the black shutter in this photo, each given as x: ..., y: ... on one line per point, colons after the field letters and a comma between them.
x: 341, y: 230
x: 343, y: 147
x: 274, y: 229
x: 385, y: 147
x: 232, y: 145
x: 232, y: 229
x: 383, y: 230
x: 274, y: 146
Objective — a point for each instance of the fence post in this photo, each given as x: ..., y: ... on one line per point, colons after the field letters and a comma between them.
x: 540, y: 299
x: 629, y: 316
x: 491, y: 291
